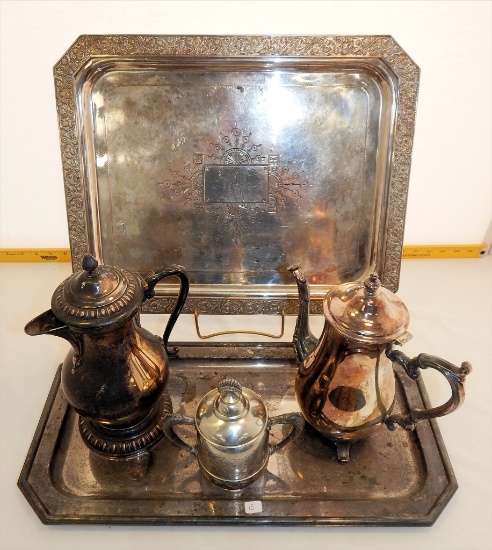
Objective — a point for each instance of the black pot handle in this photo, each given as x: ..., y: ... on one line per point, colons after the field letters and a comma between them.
x: 454, y: 375
x: 158, y: 275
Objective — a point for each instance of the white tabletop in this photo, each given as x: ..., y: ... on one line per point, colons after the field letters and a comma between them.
x: 450, y: 303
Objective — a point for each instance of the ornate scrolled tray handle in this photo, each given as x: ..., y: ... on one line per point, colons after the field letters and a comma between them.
x: 454, y: 375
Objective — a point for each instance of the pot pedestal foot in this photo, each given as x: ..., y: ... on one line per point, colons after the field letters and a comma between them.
x: 343, y: 451
x: 128, y: 441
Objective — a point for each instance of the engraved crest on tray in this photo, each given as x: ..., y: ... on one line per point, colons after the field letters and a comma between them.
x: 235, y: 180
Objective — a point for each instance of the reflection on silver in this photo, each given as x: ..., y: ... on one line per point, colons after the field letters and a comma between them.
x: 236, y: 156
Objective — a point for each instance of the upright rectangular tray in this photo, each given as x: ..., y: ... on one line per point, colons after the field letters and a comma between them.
x: 236, y: 156
x: 393, y: 478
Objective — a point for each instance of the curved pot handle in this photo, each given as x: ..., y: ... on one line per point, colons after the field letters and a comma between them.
x: 297, y: 422
x: 454, y: 375
x: 158, y: 275
x: 167, y: 428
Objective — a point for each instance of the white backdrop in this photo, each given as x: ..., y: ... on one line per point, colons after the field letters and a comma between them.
x: 450, y: 186
x: 449, y: 202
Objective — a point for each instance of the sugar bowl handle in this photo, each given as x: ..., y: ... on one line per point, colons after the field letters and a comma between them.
x: 454, y: 375
x: 297, y: 422
x: 167, y: 428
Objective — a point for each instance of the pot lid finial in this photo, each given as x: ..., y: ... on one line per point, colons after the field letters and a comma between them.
x: 229, y: 403
x: 372, y: 284
x: 89, y: 264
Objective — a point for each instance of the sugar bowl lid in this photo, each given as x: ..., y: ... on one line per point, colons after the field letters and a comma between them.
x: 231, y: 415
x: 98, y: 295
x: 366, y: 311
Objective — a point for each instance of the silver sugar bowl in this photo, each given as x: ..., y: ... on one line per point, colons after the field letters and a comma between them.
x: 233, y: 427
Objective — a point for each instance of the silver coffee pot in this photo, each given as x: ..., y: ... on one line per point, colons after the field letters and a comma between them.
x: 233, y: 427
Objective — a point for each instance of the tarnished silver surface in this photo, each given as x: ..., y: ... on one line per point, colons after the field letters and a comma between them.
x: 116, y: 371
x: 393, y: 478
x: 236, y: 156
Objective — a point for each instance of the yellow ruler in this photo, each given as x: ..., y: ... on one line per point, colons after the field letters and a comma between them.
x: 35, y: 255
x: 444, y: 251
x: 409, y: 252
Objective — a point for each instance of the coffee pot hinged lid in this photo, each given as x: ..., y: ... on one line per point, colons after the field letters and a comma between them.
x: 98, y: 296
x: 367, y: 311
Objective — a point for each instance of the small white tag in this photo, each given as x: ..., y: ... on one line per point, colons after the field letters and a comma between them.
x: 253, y: 507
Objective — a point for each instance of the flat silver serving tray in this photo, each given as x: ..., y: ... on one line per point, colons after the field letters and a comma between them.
x: 236, y: 156
x: 393, y: 478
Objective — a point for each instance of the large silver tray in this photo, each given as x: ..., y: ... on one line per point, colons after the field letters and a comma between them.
x: 393, y: 478
x: 237, y: 156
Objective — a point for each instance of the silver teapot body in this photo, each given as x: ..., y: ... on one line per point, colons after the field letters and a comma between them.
x: 345, y: 389
x: 345, y: 385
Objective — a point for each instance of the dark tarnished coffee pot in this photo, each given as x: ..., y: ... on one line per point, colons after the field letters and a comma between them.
x: 115, y: 375
x: 345, y: 385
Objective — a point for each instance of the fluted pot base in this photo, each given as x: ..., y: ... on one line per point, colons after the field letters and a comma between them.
x: 128, y: 441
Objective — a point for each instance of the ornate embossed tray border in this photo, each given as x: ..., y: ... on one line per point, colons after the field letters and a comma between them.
x: 384, y: 48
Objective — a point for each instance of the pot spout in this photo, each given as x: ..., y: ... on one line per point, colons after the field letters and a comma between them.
x: 304, y: 341
x: 48, y: 323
